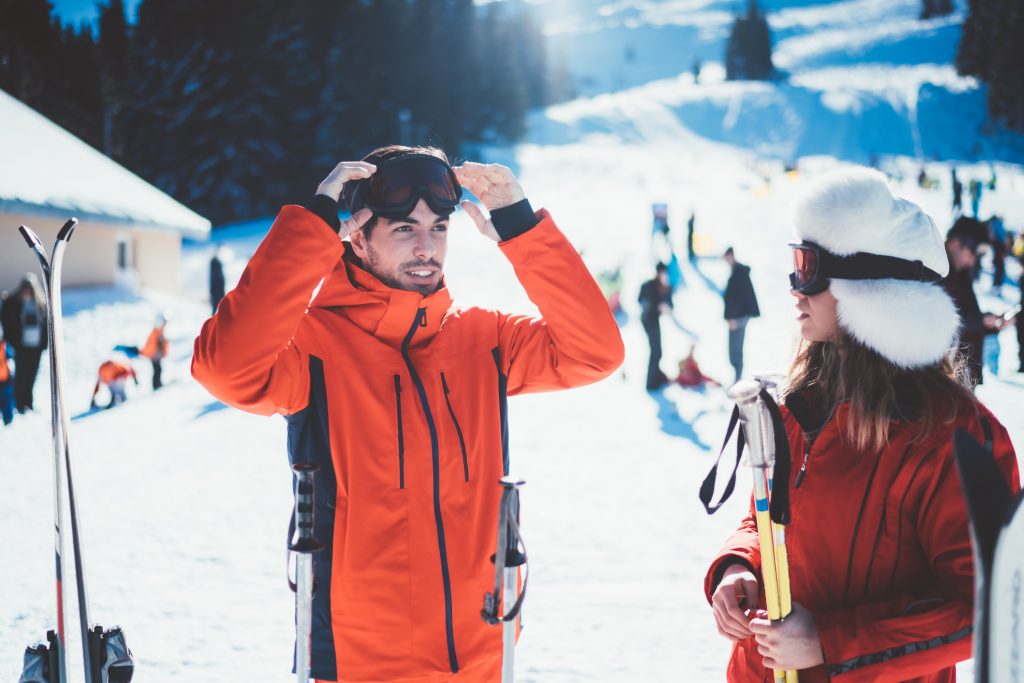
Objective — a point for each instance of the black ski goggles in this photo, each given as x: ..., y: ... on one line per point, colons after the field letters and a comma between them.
x: 814, y: 267
x: 398, y: 184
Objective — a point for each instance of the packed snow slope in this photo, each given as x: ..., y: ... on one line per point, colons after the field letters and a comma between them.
x: 185, y: 502
x: 859, y: 79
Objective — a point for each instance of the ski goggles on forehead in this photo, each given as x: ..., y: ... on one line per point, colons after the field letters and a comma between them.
x: 400, y: 183
x: 814, y: 267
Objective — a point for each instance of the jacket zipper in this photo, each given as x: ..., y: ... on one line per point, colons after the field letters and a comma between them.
x: 401, y: 435
x: 809, y: 439
x: 458, y: 430
x: 421, y: 317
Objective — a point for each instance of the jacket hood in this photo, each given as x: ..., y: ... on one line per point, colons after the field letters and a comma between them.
x: 383, y: 311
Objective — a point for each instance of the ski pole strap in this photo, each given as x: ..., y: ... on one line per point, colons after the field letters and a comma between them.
x: 707, y: 489
x: 510, y: 540
x: 779, y: 506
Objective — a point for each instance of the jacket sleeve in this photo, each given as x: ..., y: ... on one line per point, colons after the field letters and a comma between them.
x: 246, y: 354
x: 742, y: 548
x: 908, y: 636
x: 576, y: 341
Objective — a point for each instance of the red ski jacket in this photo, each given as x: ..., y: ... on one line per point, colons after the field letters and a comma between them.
x: 879, y: 550
x: 401, y: 398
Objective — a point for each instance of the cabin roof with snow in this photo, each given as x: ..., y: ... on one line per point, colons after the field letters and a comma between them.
x: 47, y: 170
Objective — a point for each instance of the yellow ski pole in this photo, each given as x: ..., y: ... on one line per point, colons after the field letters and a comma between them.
x: 757, y: 428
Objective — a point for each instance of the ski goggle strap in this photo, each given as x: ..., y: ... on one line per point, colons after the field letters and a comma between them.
x: 398, y: 184
x: 814, y: 266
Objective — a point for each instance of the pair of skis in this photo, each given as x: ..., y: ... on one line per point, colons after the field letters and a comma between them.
x: 106, y: 658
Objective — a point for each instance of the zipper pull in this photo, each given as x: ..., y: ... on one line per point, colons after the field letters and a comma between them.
x: 803, y: 468
x: 800, y: 476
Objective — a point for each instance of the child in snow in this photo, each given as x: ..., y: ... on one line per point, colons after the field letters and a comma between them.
x: 690, y: 374
x: 881, y: 569
x: 156, y: 349
x: 114, y: 376
x: 6, y: 383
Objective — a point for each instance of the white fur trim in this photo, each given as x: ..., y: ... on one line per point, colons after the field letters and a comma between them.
x: 853, y: 210
x: 912, y: 324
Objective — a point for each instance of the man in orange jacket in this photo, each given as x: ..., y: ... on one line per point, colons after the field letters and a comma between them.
x: 400, y: 397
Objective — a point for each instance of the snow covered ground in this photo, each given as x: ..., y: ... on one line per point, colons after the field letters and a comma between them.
x: 185, y: 503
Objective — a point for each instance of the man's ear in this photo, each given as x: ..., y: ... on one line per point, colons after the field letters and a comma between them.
x: 358, y: 239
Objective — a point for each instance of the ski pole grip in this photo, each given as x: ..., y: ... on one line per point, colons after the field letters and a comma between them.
x: 747, y: 395
x: 513, y: 558
x: 303, y: 540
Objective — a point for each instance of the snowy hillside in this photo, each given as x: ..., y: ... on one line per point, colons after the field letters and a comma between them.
x: 864, y: 79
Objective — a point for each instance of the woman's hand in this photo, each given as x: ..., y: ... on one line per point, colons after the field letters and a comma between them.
x: 734, y: 602
x: 790, y: 644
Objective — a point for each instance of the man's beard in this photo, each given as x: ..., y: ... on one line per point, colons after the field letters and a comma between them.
x: 372, y: 264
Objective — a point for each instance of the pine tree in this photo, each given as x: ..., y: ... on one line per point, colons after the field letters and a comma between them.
x: 748, y: 52
x: 113, y: 55
x: 936, y: 8
x: 974, y: 55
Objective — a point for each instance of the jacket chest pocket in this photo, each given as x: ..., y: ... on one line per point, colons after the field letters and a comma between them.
x: 458, y: 427
x: 400, y: 431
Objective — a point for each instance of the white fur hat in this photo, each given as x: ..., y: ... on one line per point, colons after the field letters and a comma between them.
x: 912, y: 324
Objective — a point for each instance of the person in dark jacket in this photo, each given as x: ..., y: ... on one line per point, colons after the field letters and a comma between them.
x: 217, y: 284
x: 740, y: 307
x: 655, y: 298
x: 962, y: 242
x: 24, y: 322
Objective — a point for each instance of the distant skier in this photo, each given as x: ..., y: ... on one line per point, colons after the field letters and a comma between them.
x: 997, y: 229
x: 156, y: 349
x: 882, y: 577
x: 691, y: 252
x: 113, y: 375
x: 958, y: 193
x: 655, y: 300
x: 24, y: 321
x: 975, y: 188
x: 6, y: 382
x: 740, y: 307
x: 217, y: 283
x: 962, y: 243
x: 400, y: 397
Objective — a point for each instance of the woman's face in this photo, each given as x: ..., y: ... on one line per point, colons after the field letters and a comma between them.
x: 817, y: 316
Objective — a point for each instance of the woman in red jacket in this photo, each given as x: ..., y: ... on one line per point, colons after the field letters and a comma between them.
x: 879, y: 548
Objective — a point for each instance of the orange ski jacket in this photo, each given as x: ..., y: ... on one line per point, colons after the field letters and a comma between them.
x: 5, y: 370
x: 401, y: 398
x: 156, y: 346
x: 879, y: 551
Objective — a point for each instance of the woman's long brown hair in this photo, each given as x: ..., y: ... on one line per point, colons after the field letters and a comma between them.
x: 878, y: 391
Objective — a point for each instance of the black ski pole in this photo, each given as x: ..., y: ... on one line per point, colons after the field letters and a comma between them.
x: 507, y: 559
x: 303, y: 544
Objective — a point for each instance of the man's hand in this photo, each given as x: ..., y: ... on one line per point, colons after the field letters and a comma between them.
x: 494, y: 184
x: 790, y: 644
x: 342, y: 173
x: 496, y: 187
x: 734, y: 600
x: 733, y: 324
x: 333, y: 183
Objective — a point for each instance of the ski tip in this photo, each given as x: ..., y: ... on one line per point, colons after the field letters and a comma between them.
x: 67, y: 229
x: 30, y: 237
